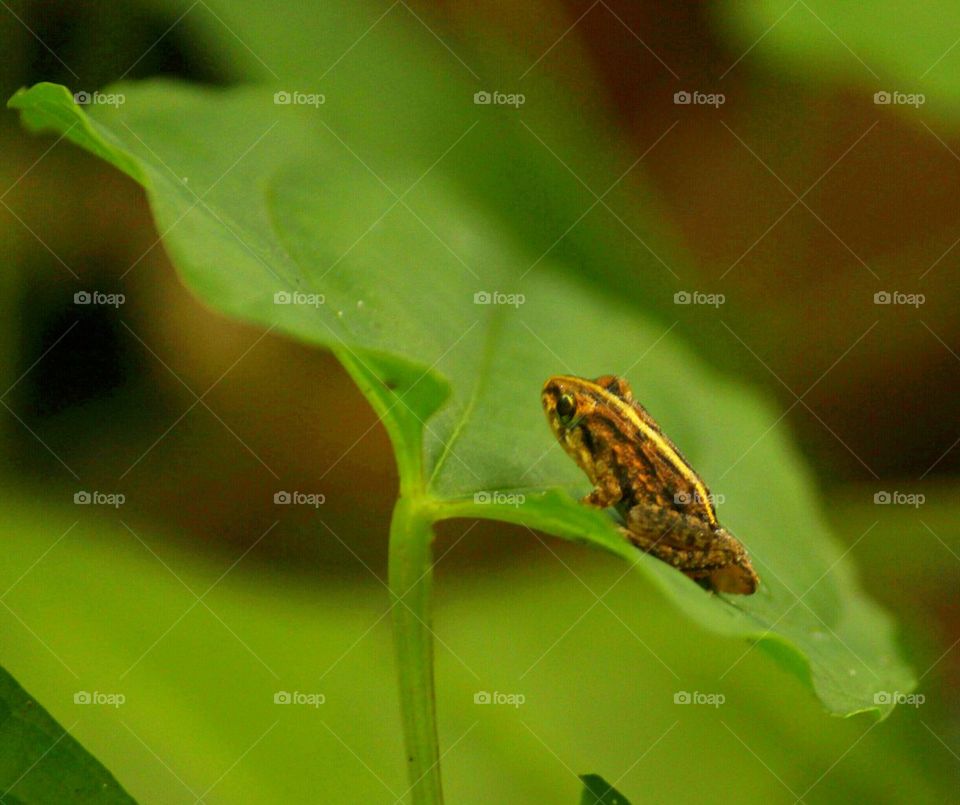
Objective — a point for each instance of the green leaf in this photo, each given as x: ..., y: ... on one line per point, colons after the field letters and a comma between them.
x: 597, y: 791
x: 40, y: 761
x: 255, y: 200
x: 874, y: 45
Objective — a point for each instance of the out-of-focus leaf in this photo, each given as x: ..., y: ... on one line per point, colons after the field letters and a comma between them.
x: 40, y: 761
x: 597, y: 791
x: 877, y: 46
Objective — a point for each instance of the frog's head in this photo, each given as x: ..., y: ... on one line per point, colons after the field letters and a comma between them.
x: 559, y: 402
x: 567, y: 406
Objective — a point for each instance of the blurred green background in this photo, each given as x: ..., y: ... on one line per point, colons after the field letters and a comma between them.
x: 104, y: 398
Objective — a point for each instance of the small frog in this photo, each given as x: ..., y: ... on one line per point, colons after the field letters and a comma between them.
x: 635, y: 467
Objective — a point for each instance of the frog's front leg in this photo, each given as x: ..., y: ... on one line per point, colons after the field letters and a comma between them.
x: 607, y: 492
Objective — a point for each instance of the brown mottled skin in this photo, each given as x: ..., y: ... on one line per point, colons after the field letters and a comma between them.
x: 667, y: 508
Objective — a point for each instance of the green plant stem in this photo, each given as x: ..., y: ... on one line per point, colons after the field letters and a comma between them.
x: 411, y: 585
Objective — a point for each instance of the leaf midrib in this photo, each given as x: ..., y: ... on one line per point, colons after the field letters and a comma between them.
x: 491, y: 336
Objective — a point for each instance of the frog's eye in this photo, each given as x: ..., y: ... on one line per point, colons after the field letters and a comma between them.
x: 566, y: 408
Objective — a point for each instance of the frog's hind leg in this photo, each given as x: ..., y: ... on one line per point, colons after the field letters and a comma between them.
x: 678, y: 539
x: 705, y: 554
